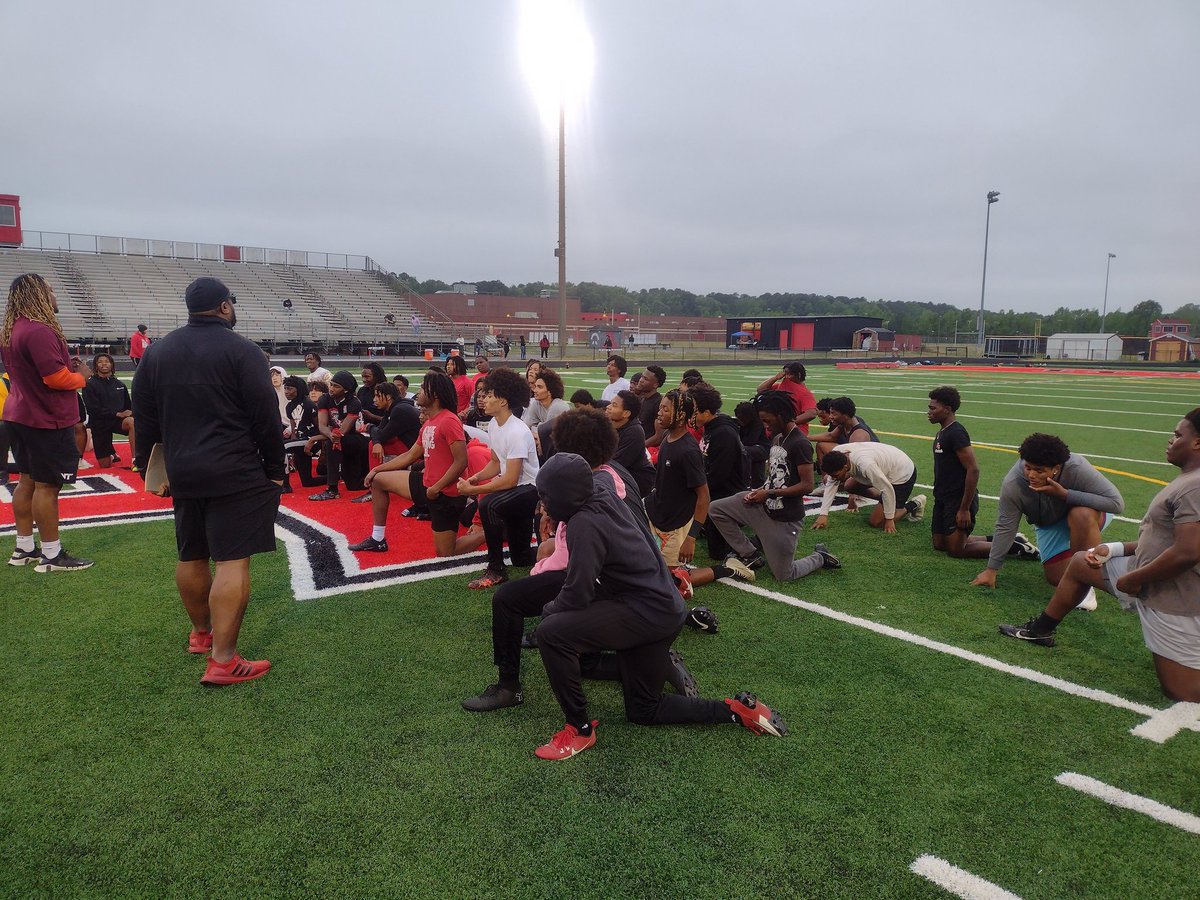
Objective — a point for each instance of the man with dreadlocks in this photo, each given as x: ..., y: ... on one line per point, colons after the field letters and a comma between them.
x: 678, y: 505
x: 41, y: 412
x: 775, y: 511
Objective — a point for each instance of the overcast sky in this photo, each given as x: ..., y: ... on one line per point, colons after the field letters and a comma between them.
x: 840, y: 148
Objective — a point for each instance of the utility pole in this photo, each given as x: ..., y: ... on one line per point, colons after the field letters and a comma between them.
x: 992, y: 197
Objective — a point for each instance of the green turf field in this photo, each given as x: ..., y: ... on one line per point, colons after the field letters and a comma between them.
x: 351, y: 770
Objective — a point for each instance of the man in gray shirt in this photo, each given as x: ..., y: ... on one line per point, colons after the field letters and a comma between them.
x: 1158, y: 574
x: 1064, y: 498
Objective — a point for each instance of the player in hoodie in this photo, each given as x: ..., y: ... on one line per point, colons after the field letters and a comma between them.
x: 617, y: 595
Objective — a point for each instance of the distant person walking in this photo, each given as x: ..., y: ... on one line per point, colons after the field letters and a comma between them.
x: 138, y: 342
x: 40, y: 415
x: 522, y: 346
x: 544, y: 343
x: 416, y: 323
x: 204, y: 394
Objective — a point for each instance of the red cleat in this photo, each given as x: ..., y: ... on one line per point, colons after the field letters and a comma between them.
x: 567, y: 743
x: 200, y: 641
x: 756, y: 715
x: 683, y: 581
x: 237, y: 669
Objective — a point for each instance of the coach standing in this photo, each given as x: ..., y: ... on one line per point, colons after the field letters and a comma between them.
x: 203, y: 393
x: 41, y: 413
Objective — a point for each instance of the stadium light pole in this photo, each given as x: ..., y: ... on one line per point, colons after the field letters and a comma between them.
x: 992, y: 197
x: 556, y: 53
x: 1104, y: 309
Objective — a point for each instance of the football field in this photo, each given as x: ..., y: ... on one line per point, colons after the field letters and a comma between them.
x: 927, y: 755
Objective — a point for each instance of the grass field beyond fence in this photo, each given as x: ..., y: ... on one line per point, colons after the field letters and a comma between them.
x: 351, y: 770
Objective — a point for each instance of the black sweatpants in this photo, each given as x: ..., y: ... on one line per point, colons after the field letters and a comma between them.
x: 509, y: 514
x: 642, y: 655
x: 349, y: 464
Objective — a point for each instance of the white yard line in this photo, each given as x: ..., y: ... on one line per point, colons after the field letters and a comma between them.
x: 1144, y: 805
x: 958, y: 881
x: 1057, y: 423
x: 865, y: 501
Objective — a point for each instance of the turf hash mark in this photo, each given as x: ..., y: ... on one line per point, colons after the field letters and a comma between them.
x: 1117, y: 797
x: 958, y: 881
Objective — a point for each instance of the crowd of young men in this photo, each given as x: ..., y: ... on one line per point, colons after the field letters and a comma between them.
x: 622, y: 494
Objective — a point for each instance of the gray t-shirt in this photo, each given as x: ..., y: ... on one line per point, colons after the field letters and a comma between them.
x: 1176, y: 504
x: 535, y: 414
x: 1085, y: 487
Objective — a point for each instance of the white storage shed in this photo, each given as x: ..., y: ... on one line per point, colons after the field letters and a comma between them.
x: 1083, y: 346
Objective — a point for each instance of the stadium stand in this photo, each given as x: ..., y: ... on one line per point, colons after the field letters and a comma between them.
x: 104, y: 296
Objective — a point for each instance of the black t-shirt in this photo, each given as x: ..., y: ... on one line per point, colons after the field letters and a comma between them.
x: 680, y: 471
x: 366, y: 401
x: 303, y: 413
x: 649, y: 413
x: 788, y: 451
x: 949, y: 475
x: 339, y: 410
x: 631, y: 453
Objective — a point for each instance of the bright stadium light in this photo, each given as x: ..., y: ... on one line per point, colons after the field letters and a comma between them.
x: 557, y: 54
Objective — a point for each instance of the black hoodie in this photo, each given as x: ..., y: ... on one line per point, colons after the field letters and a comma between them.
x: 725, y: 461
x: 610, y: 555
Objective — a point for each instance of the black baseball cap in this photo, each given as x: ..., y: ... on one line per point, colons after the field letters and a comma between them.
x: 207, y: 293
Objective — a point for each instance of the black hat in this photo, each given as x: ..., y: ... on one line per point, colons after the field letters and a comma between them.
x: 206, y: 293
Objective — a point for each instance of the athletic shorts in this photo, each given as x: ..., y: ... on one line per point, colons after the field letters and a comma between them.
x: 235, y: 526
x: 47, y: 455
x: 1054, y: 541
x: 670, y: 541
x: 904, y: 491
x: 102, y: 436
x: 1171, y: 636
x: 416, y: 487
x: 445, y: 512
x: 944, y: 519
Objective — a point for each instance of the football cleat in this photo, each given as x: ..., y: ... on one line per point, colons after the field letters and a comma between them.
x: 702, y: 619
x: 756, y: 715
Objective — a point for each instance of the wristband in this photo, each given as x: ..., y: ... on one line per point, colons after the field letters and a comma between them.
x: 696, y: 530
x: 1115, y: 549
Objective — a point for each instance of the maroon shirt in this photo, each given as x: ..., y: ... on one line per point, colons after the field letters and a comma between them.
x: 36, y: 351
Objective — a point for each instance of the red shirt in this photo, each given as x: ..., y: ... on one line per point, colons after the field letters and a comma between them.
x: 805, y: 401
x: 36, y: 351
x: 436, y: 437
x: 138, y: 343
x: 465, y: 388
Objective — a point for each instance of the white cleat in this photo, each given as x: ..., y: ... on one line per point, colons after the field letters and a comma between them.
x: 1088, y: 603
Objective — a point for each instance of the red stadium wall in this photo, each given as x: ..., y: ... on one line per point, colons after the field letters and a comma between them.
x: 10, y: 220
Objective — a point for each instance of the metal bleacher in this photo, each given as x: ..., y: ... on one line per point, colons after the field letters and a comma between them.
x: 103, y: 297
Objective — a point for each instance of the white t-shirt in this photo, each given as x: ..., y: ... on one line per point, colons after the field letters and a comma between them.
x: 621, y: 384
x: 320, y: 373
x: 514, y: 440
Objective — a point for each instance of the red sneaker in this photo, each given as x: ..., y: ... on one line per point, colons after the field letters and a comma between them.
x: 567, y: 743
x: 756, y: 715
x: 683, y: 581
x: 237, y: 669
x: 200, y: 641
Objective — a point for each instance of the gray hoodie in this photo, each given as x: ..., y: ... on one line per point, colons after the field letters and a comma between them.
x: 1085, y: 487
x: 610, y: 555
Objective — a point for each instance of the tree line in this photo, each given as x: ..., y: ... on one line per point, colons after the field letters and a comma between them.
x: 937, y: 321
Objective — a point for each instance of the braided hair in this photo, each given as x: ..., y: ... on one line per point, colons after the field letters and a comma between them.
x: 29, y: 296
x: 776, y: 403
x: 683, y: 407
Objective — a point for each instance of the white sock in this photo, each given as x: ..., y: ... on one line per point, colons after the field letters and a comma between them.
x: 378, y: 532
x: 51, y: 549
x: 25, y: 542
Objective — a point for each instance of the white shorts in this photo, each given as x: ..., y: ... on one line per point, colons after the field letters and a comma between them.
x: 1173, y: 637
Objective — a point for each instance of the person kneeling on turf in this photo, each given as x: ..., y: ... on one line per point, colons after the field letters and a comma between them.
x: 1064, y: 498
x: 617, y: 595
x: 879, y: 471
x: 1158, y: 574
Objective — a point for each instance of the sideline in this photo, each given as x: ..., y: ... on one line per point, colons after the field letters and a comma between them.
x: 1051, y: 681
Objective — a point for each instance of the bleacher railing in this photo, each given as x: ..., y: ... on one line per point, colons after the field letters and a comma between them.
x: 194, y: 250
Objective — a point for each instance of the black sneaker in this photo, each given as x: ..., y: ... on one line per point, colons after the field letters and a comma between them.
x: 325, y: 495
x: 702, y: 619
x: 64, y: 562
x: 494, y: 697
x: 25, y: 557
x: 1026, y: 633
x: 370, y: 544
x: 680, y: 678
x: 1023, y: 548
x: 829, y: 561
x: 529, y: 640
x: 365, y: 498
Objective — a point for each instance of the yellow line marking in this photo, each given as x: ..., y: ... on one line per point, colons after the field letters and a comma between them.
x: 925, y: 437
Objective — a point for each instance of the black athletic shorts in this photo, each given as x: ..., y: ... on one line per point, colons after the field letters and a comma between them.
x: 235, y: 526
x: 904, y: 491
x: 416, y: 487
x: 944, y: 519
x: 102, y: 436
x: 444, y: 512
x: 47, y: 455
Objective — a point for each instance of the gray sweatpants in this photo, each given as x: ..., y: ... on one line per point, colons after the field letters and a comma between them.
x: 778, y: 538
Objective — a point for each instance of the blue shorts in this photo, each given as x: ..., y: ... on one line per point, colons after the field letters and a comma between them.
x: 1055, y: 540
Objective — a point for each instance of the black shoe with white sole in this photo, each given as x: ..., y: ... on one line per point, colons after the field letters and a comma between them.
x: 64, y: 562
x: 828, y: 560
x: 25, y: 557
x: 494, y: 697
x: 1026, y: 633
x: 370, y: 544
